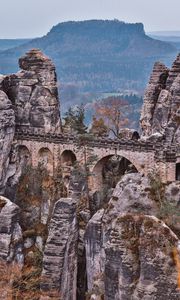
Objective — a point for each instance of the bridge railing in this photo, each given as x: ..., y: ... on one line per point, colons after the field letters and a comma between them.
x: 39, y: 134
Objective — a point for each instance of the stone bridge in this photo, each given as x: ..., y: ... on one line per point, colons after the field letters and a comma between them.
x: 58, y: 149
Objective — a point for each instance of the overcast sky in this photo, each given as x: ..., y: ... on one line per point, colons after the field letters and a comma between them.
x: 31, y: 18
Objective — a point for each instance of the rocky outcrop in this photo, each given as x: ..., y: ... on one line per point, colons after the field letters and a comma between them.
x: 28, y: 99
x: 94, y: 248
x: 7, y: 129
x: 10, y: 232
x: 174, y: 72
x: 59, y: 275
x: 11, y: 247
x: 33, y: 91
x: 172, y: 131
x: 128, y: 249
x: 138, y: 259
x: 156, y: 84
x: 161, y: 112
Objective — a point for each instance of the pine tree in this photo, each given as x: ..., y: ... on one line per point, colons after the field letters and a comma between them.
x: 74, y: 120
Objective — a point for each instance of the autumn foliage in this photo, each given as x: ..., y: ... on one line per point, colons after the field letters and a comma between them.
x: 113, y: 112
x: 99, y: 128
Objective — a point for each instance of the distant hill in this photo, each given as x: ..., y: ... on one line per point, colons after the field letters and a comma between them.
x: 97, y: 56
x: 11, y: 43
x: 174, y: 40
x: 165, y: 33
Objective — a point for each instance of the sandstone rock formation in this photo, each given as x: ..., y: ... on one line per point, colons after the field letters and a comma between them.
x: 59, y: 273
x: 138, y: 257
x: 28, y: 100
x: 11, y: 246
x: 10, y: 232
x: 128, y: 249
x: 161, y: 109
x: 7, y: 130
x: 156, y: 84
x: 33, y: 92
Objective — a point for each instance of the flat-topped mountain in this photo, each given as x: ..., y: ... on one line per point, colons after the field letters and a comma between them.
x: 97, y: 55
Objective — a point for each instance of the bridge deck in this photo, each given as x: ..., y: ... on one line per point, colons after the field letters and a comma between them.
x: 120, y: 144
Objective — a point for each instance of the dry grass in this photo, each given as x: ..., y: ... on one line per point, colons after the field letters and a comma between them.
x: 176, y: 257
x: 17, y: 286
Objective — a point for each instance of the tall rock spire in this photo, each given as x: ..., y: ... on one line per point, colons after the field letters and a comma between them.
x: 156, y: 84
x: 160, y: 114
x: 174, y: 72
x: 34, y: 93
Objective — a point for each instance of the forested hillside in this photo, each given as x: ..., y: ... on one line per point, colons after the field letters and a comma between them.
x: 97, y: 56
x: 6, y: 44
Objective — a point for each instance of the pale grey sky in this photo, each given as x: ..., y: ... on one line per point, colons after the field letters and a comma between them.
x: 31, y: 18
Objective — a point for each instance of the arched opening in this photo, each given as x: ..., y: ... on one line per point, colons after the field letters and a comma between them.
x: 109, y: 170
x: 46, y: 159
x: 68, y: 158
x: 178, y: 171
x: 24, y: 155
x: 105, y: 176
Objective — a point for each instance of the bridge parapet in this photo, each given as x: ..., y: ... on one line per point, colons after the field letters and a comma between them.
x: 56, y: 138
x: 161, y: 150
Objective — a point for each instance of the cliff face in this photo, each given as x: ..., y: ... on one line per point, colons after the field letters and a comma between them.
x: 161, y: 109
x: 11, y: 246
x: 28, y: 99
x: 10, y: 232
x: 59, y: 274
x: 128, y: 249
x: 7, y: 130
x: 33, y: 92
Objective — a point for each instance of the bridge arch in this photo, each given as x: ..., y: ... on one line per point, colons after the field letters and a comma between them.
x: 45, y: 159
x: 108, y: 164
x: 68, y: 159
x: 24, y: 155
